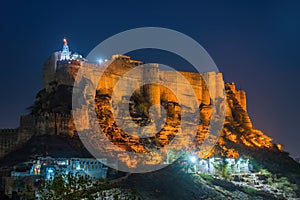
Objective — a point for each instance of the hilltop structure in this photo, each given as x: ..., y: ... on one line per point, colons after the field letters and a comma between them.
x: 65, y: 54
x: 51, y: 114
x: 242, y: 154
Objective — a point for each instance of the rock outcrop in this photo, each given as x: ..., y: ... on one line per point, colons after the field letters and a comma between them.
x: 51, y: 113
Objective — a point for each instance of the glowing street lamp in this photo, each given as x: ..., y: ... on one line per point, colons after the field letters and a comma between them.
x: 193, y: 159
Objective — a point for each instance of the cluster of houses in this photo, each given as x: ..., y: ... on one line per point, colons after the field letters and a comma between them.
x: 212, y: 165
x: 241, y: 174
x: 29, y: 175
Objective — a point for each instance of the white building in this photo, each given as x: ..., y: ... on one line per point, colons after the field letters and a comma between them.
x: 210, y: 165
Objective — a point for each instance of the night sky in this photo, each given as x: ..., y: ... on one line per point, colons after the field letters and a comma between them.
x: 256, y: 44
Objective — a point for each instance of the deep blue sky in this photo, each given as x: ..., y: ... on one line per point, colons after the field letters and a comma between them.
x: 254, y: 43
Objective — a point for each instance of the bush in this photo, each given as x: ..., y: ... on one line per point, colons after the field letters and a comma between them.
x: 249, y: 190
x: 64, y: 186
x: 206, y: 176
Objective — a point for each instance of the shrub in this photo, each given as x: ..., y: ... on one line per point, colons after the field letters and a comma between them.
x: 249, y: 190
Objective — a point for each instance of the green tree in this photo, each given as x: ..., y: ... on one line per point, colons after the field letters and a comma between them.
x: 66, y: 186
x: 222, y: 168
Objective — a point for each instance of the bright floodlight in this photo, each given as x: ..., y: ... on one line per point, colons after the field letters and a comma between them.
x: 193, y: 159
x: 100, y: 61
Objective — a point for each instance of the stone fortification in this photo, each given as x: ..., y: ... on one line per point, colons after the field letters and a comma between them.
x: 206, y: 86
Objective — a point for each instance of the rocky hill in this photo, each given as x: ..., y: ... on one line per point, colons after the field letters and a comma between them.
x: 238, y: 138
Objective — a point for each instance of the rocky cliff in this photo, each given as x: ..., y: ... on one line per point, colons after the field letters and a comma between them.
x: 51, y: 113
x: 237, y: 133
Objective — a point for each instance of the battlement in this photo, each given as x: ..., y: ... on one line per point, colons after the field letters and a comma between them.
x: 126, y: 59
x: 8, y: 140
x: 240, y: 95
x: 8, y: 130
x: 30, y: 125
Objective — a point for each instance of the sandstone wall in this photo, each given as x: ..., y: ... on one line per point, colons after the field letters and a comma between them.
x: 49, y: 69
x: 236, y: 108
x: 8, y: 140
x: 206, y: 86
x: 54, y: 124
x: 48, y: 123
